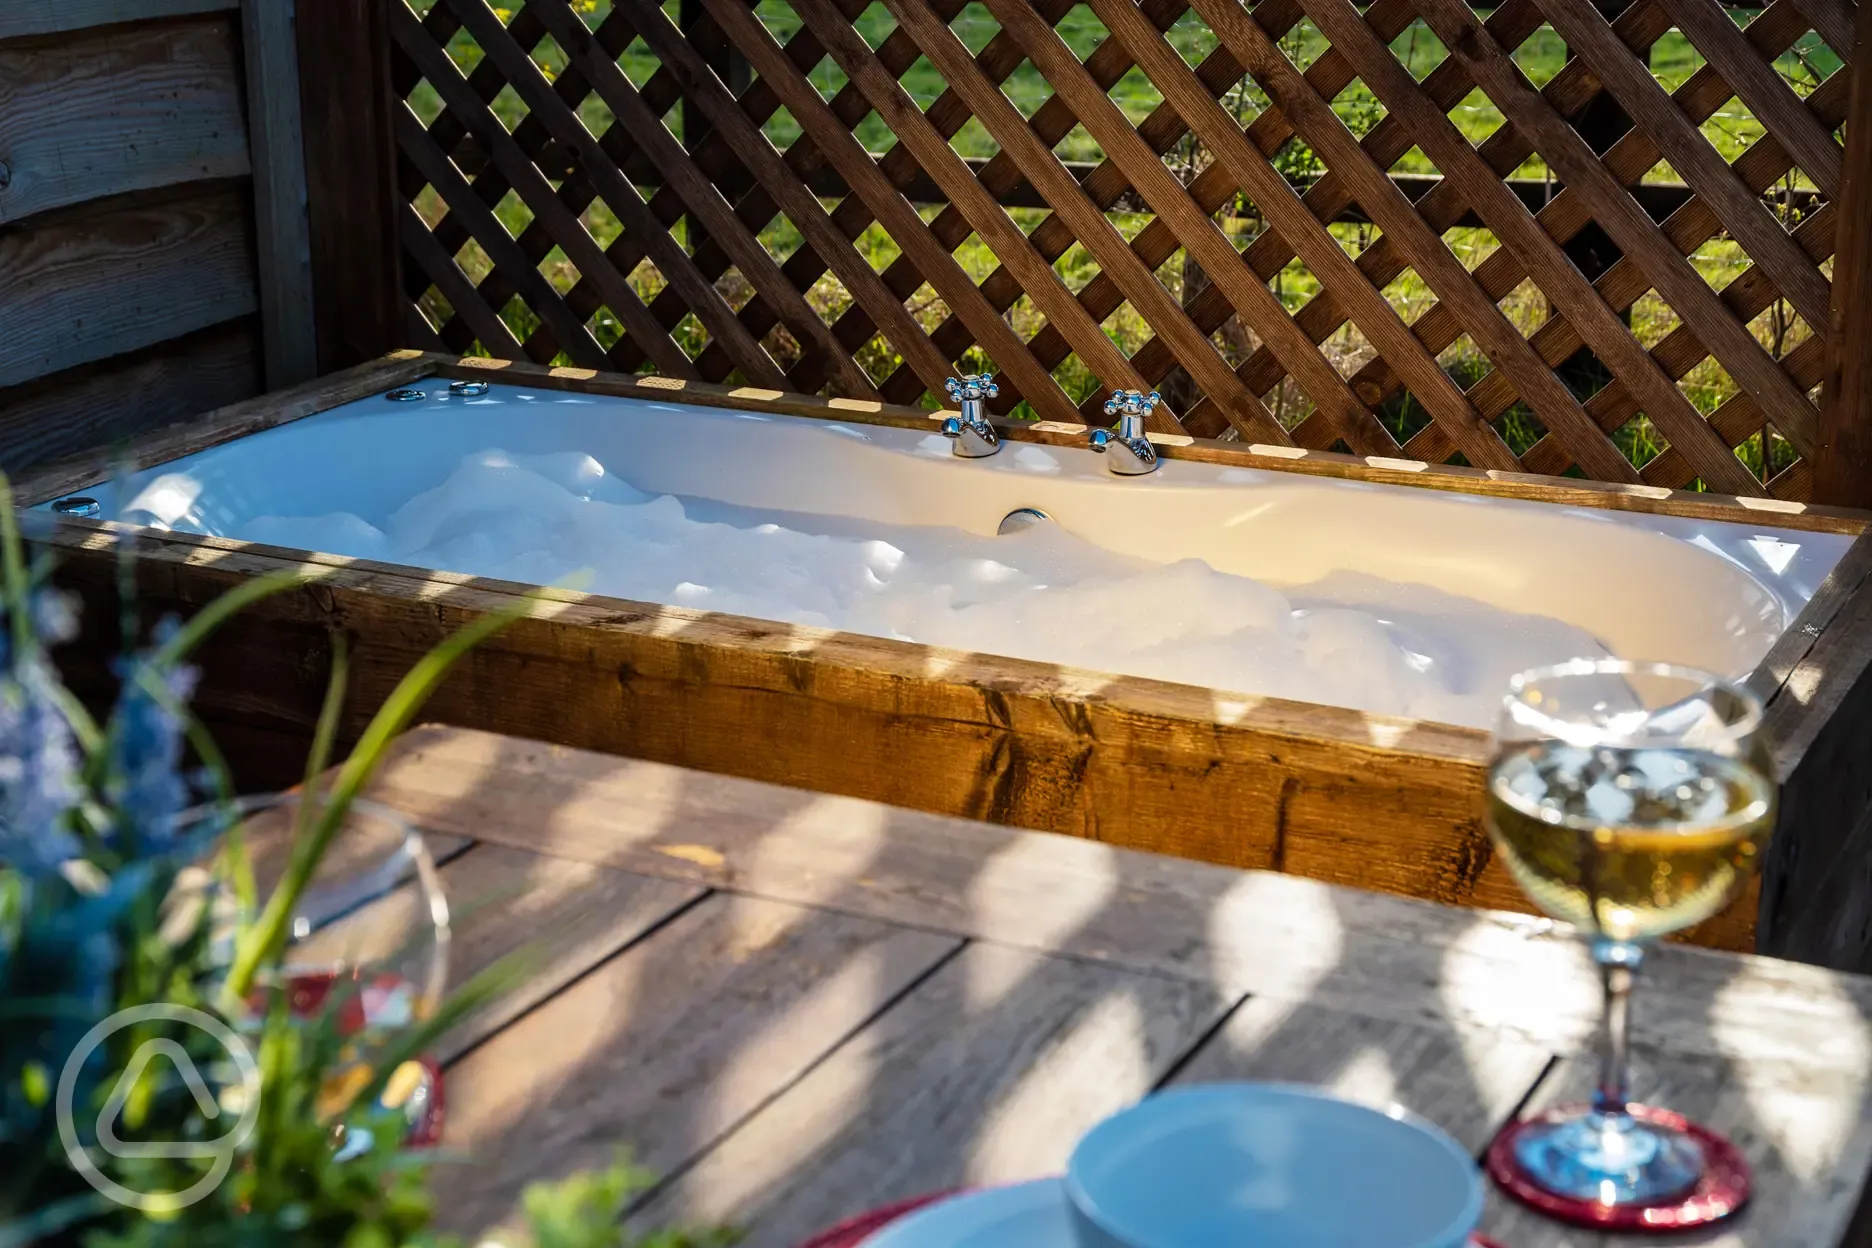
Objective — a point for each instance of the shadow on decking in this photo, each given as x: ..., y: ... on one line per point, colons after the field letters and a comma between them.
x: 786, y: 1065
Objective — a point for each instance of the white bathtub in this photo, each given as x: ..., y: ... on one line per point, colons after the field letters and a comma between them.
x: 1710, y: 594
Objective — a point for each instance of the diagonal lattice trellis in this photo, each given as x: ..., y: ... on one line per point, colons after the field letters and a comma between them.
x: 689, y: 189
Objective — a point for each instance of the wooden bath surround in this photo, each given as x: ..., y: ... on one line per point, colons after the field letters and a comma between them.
x: 1339, y: 795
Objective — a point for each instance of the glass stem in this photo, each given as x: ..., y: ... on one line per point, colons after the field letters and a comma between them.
x: 1618, y: 961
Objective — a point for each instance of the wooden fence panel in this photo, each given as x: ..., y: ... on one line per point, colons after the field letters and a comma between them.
x: 19, y: 18
x: 109, y: 112
x: 1266, y: 212
x: 82, y: 409
x: 119, y: 275
x: 129, y: 275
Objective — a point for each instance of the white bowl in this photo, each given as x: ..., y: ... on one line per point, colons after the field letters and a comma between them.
x: 1273, y: 1166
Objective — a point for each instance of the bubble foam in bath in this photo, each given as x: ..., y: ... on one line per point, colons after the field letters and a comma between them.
x: 1041, y: 593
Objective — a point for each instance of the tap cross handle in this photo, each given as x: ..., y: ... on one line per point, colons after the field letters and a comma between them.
x: 972, y: 388
x: 1132, y: 408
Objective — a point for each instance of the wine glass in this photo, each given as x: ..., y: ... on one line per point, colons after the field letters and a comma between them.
x: 372, y: 926
x: 1631, y: 800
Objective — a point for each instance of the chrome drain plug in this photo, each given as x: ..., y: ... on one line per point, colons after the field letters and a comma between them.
x: 1021, y: 518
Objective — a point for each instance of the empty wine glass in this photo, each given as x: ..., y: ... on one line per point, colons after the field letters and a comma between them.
x: 371, y: 928
x: 1631, y: 800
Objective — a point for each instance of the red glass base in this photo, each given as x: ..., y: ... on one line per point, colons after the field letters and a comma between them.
x: 307, y: 992
x: 426, y: 1131
x: 1723, y: 1189
x: 854, y: 1231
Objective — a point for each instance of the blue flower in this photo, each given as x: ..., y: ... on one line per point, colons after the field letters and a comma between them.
x: 39, y: 764
x: 145, y: 786
x: 55, y: 616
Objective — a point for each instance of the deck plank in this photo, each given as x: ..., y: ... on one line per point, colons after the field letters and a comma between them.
x: 562, y: 917
x: 668, y: 1046
x: 567, y: 916
x: 1241, y: 932
x: 884, y: 1002
x: 988, y: 1073
x: 1467, y: 1082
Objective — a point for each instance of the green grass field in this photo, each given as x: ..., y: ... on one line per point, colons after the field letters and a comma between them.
x: 1732, y: 131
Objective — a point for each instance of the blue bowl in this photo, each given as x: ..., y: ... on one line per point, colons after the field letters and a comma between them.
x: 1269, y: 1166
x: 1026, y: 1215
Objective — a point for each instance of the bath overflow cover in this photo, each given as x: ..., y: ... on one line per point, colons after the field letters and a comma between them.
x: 86, y: 508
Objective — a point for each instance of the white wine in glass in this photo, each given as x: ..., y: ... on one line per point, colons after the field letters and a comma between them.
x: 1631, y: 800
x: 1629, y: 843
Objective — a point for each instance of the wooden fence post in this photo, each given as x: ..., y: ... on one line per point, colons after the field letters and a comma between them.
x: 1843, y: 470
x: 350, y: 155
x: 282, y: 246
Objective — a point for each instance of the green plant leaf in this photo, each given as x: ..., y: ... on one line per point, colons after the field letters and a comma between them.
x: 42, y: 1224
x: 324, y: 733
x: 13, y: 566
x: 267, y: 937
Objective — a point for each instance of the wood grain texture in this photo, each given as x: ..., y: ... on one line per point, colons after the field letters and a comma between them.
x: 668, y: 1046
x: 1765, y: 92
x: 835, y: 1043
x: 117, y: 275
x: 115, y: 111
x: 1843, y: 467
x: 987, y: 1072
x: 1815, y: 894
x: 283, y: 237
x: 350, y: 159
x: 1027, y: 744
x: 45, y: 17
x: 365, y: 841
x: 561, y: 918
x: 97, y: 408
x: 1466, y: 1082
x: 574, y: 339
x: 1254, y: 932
x: 1804, y: 1132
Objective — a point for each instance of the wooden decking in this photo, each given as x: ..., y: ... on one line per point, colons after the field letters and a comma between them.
x: 798, y: 1007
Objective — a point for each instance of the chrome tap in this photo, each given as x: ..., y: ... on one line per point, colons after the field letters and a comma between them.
x: 972, y: 435
x: 1132, y: 455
